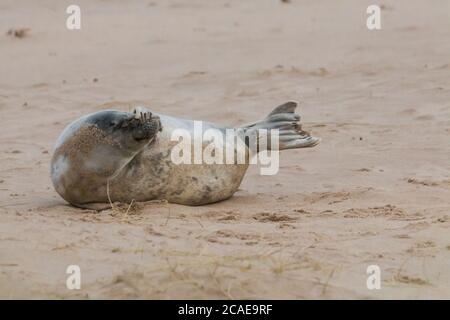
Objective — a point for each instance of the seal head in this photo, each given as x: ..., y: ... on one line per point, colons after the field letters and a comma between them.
x: 93, y: 149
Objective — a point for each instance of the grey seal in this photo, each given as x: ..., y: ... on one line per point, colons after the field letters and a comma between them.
x: 114, y: 156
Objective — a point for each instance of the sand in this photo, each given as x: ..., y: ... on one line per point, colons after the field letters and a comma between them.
x: 376, y: 191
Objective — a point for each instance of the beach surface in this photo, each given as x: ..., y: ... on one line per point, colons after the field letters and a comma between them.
x: 376, y: 191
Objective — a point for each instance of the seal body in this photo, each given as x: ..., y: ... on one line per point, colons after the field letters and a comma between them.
x: 153, y: 175
x: 114, y: 156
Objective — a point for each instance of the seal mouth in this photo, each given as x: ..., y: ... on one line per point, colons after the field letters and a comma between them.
x: 144, y: 125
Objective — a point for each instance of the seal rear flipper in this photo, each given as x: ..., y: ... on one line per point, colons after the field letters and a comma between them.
x: 287, y: 122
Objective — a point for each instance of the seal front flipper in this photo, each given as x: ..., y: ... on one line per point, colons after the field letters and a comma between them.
x: 287, y: 122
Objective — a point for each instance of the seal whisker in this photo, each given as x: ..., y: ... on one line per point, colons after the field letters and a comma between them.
x: 108, y: 195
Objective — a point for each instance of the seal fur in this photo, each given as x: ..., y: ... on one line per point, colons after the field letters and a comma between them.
x: 120, y: 156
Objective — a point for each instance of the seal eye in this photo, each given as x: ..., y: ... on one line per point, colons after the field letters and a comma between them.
x: 114, y: 123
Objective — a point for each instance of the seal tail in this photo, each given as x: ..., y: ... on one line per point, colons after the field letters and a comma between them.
x: 283, y: 118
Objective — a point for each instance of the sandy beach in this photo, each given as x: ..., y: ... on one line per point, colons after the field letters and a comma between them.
x: 375, y: 191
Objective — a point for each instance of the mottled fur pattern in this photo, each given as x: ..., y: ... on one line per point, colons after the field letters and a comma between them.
x: 98, y: 159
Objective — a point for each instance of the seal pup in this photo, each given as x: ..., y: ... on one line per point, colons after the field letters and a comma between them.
x: 114, y: 156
